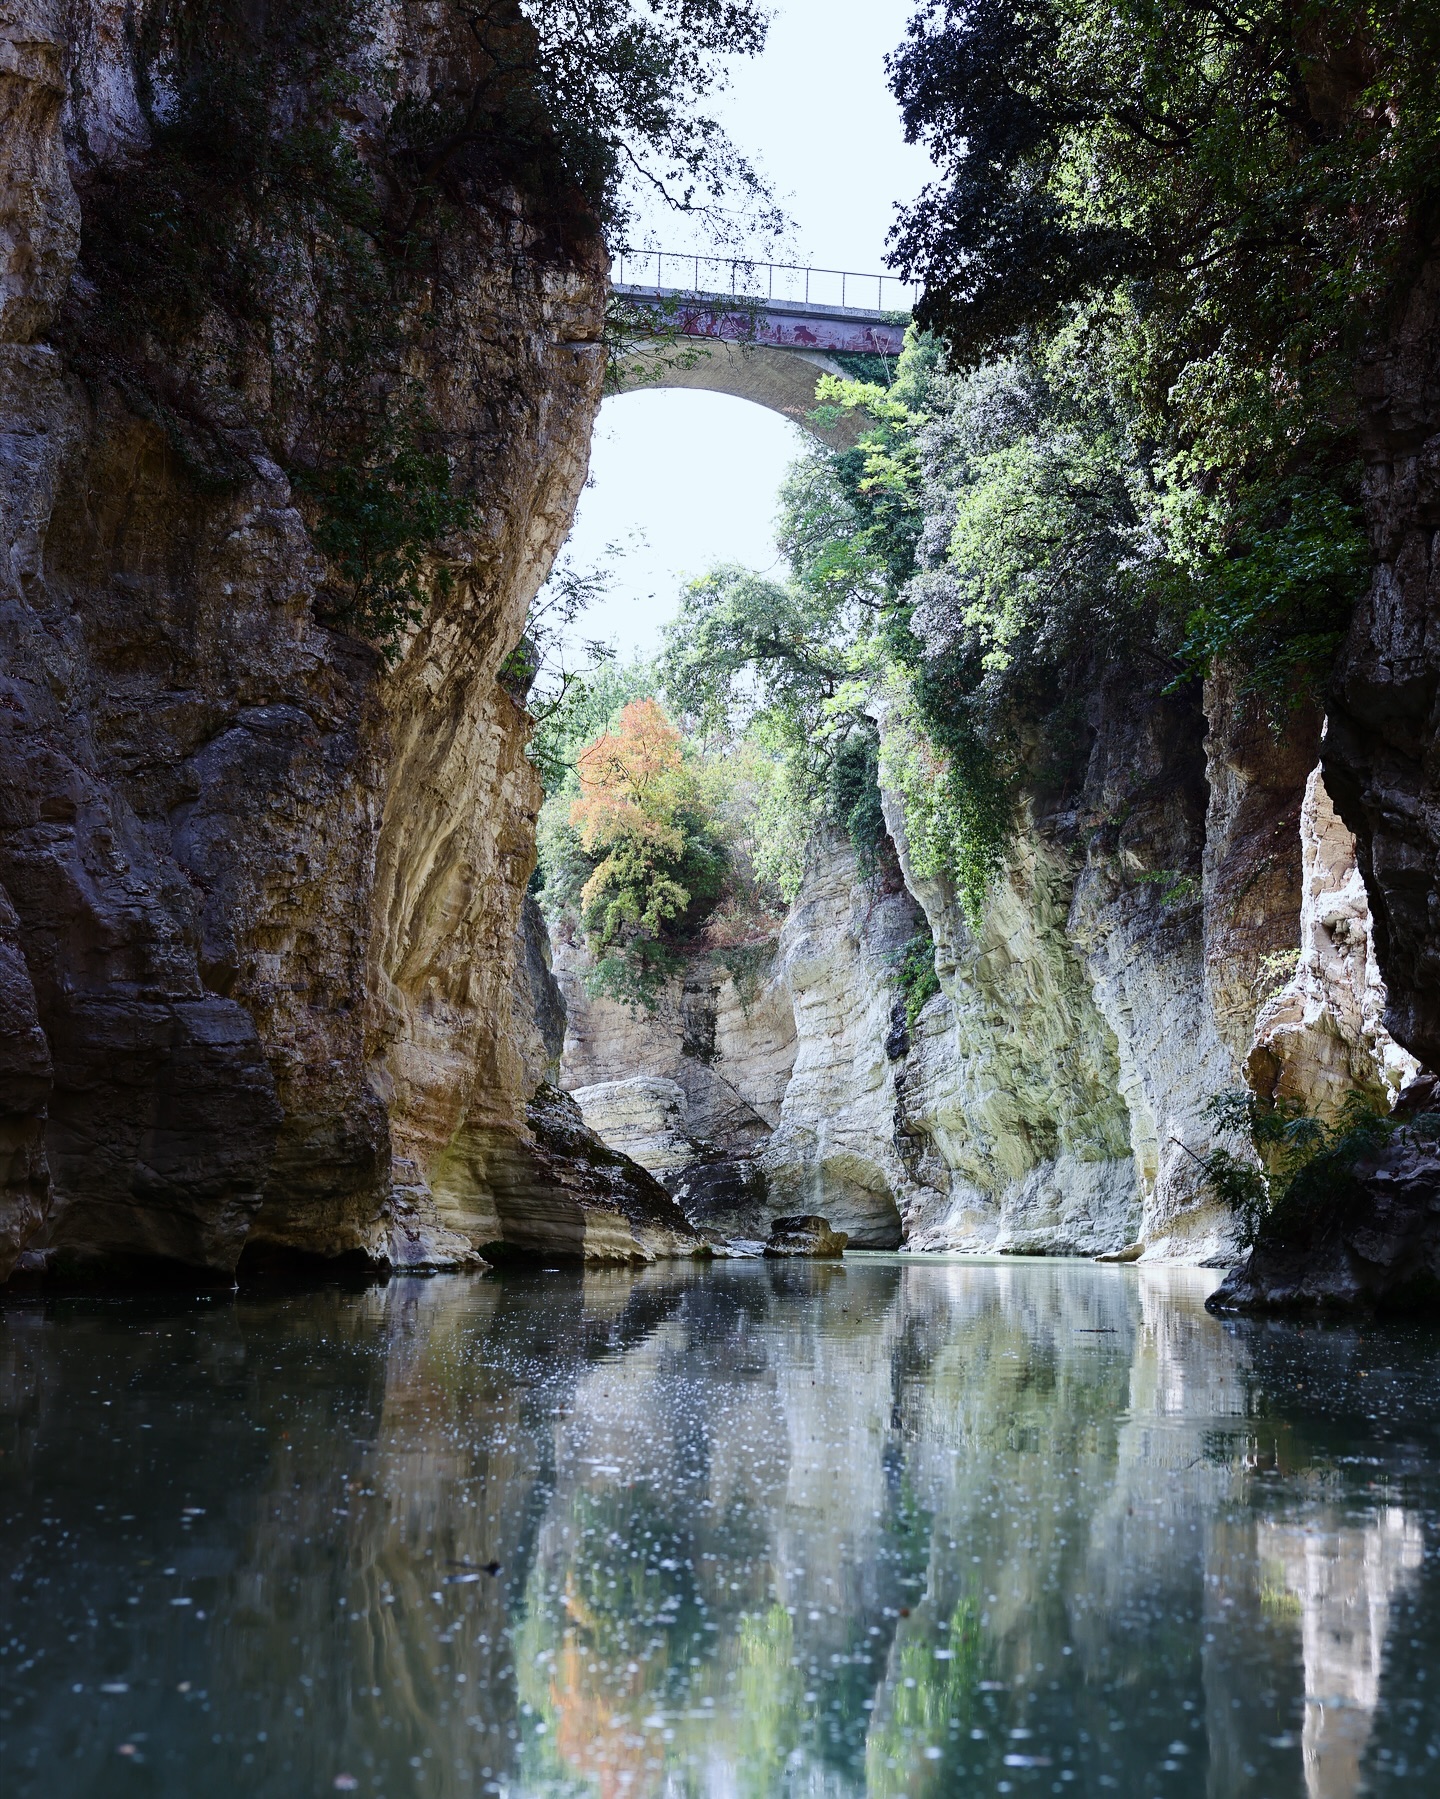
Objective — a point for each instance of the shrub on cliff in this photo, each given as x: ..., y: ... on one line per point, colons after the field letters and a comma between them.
x: 1237, y: 188
x: 1300, y: 1161
x: 1218, y: 207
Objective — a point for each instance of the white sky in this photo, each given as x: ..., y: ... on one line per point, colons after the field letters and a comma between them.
x: 697, y: 474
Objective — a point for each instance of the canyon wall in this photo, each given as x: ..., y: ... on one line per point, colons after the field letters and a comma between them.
x: 1379, y: 755
x: 1362, y: 1011
x: 1190, y: 921
x: 260, y: 889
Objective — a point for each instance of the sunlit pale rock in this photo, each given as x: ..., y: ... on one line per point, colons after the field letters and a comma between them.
x: 1322, y: 1035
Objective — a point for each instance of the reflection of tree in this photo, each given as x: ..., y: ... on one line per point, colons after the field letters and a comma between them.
x: 770, y: 1704
x: 613, y: 1640
x: 930, y: 1697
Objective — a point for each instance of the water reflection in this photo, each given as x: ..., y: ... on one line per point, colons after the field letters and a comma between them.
x: 883, y: 1528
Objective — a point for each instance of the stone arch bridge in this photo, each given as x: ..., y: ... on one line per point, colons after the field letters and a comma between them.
x: 760, y: 331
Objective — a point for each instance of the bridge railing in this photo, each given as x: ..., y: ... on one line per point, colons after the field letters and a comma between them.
x: 676, y: 271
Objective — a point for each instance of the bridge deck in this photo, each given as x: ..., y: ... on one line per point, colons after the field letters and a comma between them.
x: 774, y: 324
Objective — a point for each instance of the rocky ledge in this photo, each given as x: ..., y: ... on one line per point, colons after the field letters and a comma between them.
x: 1371, y: 1244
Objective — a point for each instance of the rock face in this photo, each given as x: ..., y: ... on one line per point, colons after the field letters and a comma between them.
x: 1336, y: 1025
x: 834, y: 1143
x: 1322, y: 1035
x: 1191, y: 920
x: 1384, y: 717
x: 25, y: 1078
x: 1009, y: 1118
x: 1372, y: 1242
x: 264, y: 890
x: 805, y: 1234
x: 645, y: 1117
x: 710, y: 1066
x: 722, y: 1032
x: 1138, y: 919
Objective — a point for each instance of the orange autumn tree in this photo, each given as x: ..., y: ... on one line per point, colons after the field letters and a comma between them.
x: 656, y: 864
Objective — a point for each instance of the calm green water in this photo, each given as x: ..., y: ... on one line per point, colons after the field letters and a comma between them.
x: 896, y: 1527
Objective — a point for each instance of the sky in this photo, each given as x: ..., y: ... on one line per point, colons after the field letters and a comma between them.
x: 686, y: 479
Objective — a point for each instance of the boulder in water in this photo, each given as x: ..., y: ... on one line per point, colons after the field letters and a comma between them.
x: 805, y: 1234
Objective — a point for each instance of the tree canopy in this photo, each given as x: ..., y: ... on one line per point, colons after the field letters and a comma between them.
x: 634, y: 847
x: 1259, y: 171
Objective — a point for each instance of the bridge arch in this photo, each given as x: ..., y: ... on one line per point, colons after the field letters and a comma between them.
x: 782, y: 380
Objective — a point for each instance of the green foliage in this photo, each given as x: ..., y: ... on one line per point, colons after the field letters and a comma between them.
x: 380, y: 522
x: 775, y: 662
x: 852, y: 796
x: 1302, y: 1160
x: 1176, y: 887
x: 863, y: 365
x: 746, y: 964
x: 1211, y: 210
x: 917, y: 976
x: 779, y: 806
x: 1002, y: 543
x: 1275, y: 604
x: 734, y: 626
x: 624, y: 89
x: 1001, y: 517
x: 1253, y: 174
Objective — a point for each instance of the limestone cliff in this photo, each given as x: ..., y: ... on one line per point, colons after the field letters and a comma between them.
x: 264, y: 887
x: 720, y: 1031
x: 1138, y: 916
x: 1379, y: 757
x: 692, y: 1088
x: 1190, y: 919
x: 1010, y: 1116
x: 1361, y: 1011
x: 834, y: 1150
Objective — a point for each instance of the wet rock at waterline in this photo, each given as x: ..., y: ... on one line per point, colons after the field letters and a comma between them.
x: 559, y: 1190
x: 1370, y: 1240
x: 805, y: 1234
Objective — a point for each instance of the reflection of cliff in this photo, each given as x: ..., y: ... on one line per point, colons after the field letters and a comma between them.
x: 859, y: 1529
x: 1344, y: 1582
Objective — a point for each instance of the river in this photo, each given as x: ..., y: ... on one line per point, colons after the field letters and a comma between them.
x: 896, y: 1526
